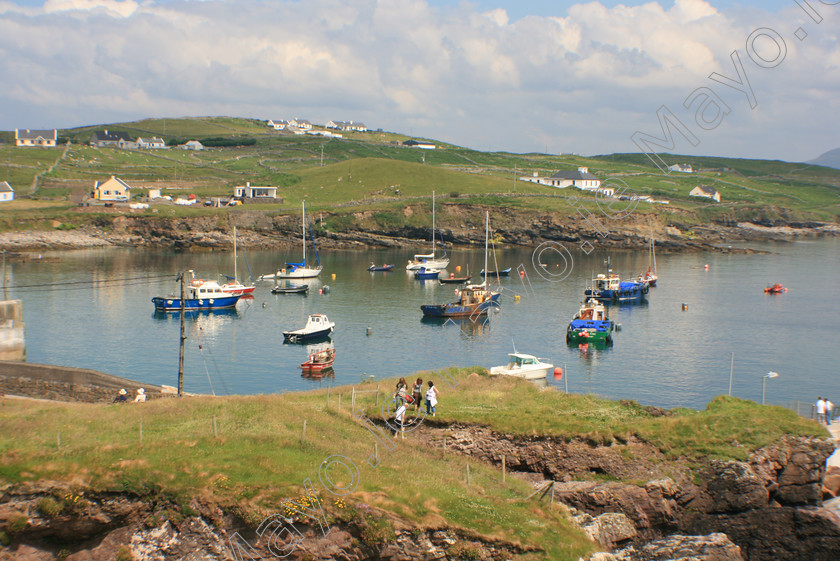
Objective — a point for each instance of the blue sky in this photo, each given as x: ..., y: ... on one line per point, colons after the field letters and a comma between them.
x: 561, y: 77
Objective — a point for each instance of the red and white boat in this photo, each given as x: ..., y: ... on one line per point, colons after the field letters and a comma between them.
x: 319, y: 360
x: 775, y: 289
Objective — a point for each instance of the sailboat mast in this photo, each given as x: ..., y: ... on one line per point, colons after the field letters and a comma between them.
x: 433, y: 224
x: 486, y: 237
x: 653, y: 253
x: 235, y: 276
x: 303, y: 229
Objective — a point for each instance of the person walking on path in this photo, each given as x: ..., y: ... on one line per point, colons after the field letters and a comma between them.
x: 829, y: 411
x: 417, y: 393
x: 401, y: 400
x: 431, y: 398
x: 820, y: 410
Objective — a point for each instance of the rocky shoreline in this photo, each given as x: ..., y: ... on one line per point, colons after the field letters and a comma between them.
x: 260, y: 231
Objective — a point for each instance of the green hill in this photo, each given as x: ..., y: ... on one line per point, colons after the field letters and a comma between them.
x: 367, y: 168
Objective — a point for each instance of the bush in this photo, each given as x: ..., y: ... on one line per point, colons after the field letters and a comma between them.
x: 124, y: 554
x: 17, y: 524
x: 376, y: 530
x: 49, y: 507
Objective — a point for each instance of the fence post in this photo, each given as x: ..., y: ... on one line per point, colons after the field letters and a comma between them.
x: 377, y: 395
x: 303, y: 434
x: 353, y: 400
x: 215, y: 428
x: 503, y: 468
x: 468, y: 475
x: 328, y: 396
x: 339, y: 403
x: 59, y: 439
x: 141, y: 430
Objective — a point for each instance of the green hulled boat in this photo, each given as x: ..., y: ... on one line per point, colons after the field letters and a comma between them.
x: 590, y: 324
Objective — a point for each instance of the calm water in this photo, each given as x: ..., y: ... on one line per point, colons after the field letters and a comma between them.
x: 662, y: 356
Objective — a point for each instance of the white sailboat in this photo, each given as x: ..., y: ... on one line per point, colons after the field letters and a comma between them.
x: 297, y: 270
x: 233, y: 285
x: 650, y: 276
x: 428, y: 260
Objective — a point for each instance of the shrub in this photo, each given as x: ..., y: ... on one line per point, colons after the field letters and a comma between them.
x: 376, y: 530
x: 49, y: 507
x: 124, y: 554
x: 17, y: 524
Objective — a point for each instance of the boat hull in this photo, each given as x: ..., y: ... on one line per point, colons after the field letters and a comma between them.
x: 299, y: 273
x: 303, y: 289
x: 527, y: 374
x: 424, y: 274
x: 584, y: 334
x: 457, y: 310
x: 174, y: 304
x: 504, y: 273
x: 629, y: 294
x: 454, y: 280
x: 297, y: 337
x: 428, y: 264
x: 383, y: 268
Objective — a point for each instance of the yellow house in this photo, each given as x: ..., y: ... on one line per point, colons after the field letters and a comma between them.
x: 112, y: 190
x: 27, y: 137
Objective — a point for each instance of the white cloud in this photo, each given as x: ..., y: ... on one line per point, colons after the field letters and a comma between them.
x: 587, y: 78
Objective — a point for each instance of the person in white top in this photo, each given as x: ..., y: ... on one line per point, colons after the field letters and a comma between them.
x: 829, y: 411
x: 141, y: 396
x: 431, y: 398
x: 820, y: 410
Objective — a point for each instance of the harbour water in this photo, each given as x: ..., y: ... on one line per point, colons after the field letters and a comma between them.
x: 92, y: 309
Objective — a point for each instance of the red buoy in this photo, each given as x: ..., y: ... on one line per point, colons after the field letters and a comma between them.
x: 522, y: 274
x: 558, y: 373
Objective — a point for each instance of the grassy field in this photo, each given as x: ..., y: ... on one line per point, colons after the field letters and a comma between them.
x: 368, y: 168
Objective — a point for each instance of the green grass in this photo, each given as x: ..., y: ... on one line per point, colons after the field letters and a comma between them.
x: 365, y: 167
x: 257, y: 459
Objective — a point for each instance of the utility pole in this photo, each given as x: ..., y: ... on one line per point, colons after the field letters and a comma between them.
x: 183, y: 338
x: 322, y: 155
x: 5, y: 295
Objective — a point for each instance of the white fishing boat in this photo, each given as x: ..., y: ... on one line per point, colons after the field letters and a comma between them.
x: 317, y: 326
x: 524, y: 366
x: 298, y: 270
x: 429, y: 260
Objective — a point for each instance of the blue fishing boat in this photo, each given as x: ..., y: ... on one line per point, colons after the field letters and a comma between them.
x: 208, y: 295
x: 502, y: 273
x: 609, y: 287
x: 473, y: 300
x: 425, y: 274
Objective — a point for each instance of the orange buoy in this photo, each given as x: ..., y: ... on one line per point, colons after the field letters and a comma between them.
x: 558, y: 373
x: 522, y: 274
x: 458, y: 268
x: 706, y: 267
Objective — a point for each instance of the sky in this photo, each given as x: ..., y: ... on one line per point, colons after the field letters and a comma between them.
x: 750, y: 79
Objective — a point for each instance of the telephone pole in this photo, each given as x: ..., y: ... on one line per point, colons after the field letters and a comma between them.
x: 183, y: 338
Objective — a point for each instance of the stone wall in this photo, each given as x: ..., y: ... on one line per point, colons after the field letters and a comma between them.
x: 69, y: 384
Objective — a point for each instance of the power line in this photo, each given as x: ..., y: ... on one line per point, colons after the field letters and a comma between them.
x: 52, y: 285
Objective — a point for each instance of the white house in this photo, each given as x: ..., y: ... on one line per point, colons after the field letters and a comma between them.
x: 683, y: 168
x: 581, y: 179
x: 249, y: 191
x: 705, y: 191
x: 192, y: 145
x: 301, y: 124
x: 31, y: 137
x: 346, y: 126
x: 151, y: 143
x: 278, y: 124
x: 102, y: 139
x: 6, y: 192
x: 112, y: 190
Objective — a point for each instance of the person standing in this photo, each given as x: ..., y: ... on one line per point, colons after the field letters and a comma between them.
x: 829, y: 411
x: 417, y: 393
x: 400, y: 399
x: 141, y: 396
x: 820, y: 410
x: 431, y: 399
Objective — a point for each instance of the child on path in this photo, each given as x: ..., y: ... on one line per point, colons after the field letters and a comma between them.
x: 431, y: 398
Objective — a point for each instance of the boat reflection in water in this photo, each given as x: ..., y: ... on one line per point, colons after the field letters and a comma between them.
x: 319, y: 375
x: 471, y: 327
x: 222, y: 315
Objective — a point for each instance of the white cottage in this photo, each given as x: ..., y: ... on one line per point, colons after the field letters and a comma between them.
x: 706, y: 192
x: 6, y: 192
x: 32, y: 137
